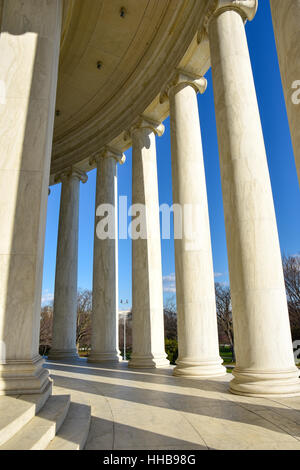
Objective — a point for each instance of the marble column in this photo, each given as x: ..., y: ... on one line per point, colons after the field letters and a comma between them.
x: 286, y: 23
x: 29, y: 45
x: 105, y: 315
x: 264, y: 354
x: 148, y: 349
x: 65, y: 293
x: 198, y: 347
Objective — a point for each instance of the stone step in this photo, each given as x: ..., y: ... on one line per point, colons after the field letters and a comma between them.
x: 39, y: 432
x: 75, y: 429
x: 16, y: 412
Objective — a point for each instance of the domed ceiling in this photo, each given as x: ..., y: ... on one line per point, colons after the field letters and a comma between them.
x: 115, y: 57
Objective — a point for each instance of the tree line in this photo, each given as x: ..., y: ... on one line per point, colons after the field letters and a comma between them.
x: 291, y: 270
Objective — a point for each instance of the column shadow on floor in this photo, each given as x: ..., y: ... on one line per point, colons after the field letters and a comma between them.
x: 104, y: 435
x: 154, y: 376
x: 216, y: 408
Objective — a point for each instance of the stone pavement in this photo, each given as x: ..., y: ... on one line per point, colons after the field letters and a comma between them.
x: 151, y: 409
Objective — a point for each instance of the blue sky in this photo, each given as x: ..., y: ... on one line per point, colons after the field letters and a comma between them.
x: 281, y: 165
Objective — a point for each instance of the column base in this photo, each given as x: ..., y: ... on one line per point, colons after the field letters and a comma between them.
x: 105, y: 357
x: 148, y: 362
x: 198, y: 369
x: 59, y: 354
x: 25, y: 377
x: 273, y: 383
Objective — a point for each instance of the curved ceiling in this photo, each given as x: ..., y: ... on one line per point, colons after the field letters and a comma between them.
x: 115, y: 57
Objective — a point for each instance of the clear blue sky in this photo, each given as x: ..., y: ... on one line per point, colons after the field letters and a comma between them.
x: 281, y: 165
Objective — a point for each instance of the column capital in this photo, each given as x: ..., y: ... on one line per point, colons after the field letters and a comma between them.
x: 198, y: 82
x: 71, y: 172
x: 145, y: 123
x: 246, y: 8
x: 108, y: 152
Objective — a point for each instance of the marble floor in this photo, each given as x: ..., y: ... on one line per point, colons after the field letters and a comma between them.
x: 151, y: 409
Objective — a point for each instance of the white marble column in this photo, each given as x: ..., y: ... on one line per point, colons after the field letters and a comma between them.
x: 65, y: 293
x: 198, y: 348
x: 105, y: 315
x: 286, y: 23
x: 29, y: 45
x: 264, y: 355
x: 148, y: 349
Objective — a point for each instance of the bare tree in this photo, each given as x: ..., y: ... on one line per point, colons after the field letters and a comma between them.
x: 84, y: 310
x: 170, y: 320
x: 46, y: 329
x: 128, y: 326
x: 224, y: 313
x: 291, y: 269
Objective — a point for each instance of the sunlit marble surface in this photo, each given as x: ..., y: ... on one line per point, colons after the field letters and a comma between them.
x: 151, y: 409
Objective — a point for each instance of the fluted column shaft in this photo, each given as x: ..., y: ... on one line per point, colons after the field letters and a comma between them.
x: 29, y: 45
x: 264, y: 354
x: 198, y: 349
x: 65, y: 293
x: 105, y: 324
x: 286, y: 23
x: 147, y: 297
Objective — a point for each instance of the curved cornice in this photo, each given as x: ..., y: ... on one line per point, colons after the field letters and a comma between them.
x: 68, y: 13
x: 174, y: 38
